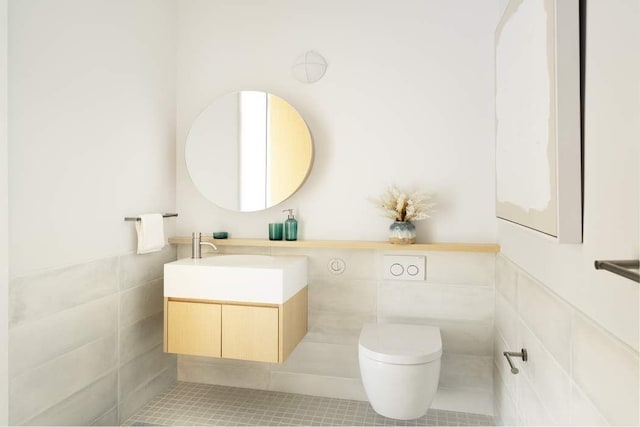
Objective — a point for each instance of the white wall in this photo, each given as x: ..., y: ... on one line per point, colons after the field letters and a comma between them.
x: 91, y: 117
x: 92, y: 113
x: 592, y: 306
x: 4, y: 221
x: 407, y: 99
x: 611, y: 181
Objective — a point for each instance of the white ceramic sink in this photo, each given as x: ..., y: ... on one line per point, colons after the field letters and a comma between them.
x: 241, y: 278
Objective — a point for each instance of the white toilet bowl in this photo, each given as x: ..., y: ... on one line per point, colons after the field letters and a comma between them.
x: 400, y: 368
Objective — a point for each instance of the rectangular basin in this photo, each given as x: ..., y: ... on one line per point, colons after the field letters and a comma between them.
x: 241, y: 278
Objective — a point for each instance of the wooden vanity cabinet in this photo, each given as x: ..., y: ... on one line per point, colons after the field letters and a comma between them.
x: 250, y: 333
x: 194, y: 328
x: 235, y: 330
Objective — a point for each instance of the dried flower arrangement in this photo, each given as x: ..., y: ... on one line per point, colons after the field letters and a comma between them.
x: 405, y: 207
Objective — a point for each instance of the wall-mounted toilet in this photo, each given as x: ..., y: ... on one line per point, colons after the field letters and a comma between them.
x: 400, y: 367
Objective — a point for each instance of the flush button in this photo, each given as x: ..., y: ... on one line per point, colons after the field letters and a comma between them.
x: 412, y: 270
x: 396, y: 269
x: 336, y: 266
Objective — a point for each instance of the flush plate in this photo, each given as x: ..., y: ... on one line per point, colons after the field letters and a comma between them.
x: 404, y: 267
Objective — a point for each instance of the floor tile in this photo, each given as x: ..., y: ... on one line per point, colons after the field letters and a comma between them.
x: 211, y: 405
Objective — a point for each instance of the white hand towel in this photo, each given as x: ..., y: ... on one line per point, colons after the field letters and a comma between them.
x: 150, y: 230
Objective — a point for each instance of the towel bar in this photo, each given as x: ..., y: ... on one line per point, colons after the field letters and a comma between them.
x: 509, y: 354
x: 166, y: 215
x: 621, y: 268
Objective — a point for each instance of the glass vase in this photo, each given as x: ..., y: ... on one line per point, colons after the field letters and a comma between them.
x: 402, y: 233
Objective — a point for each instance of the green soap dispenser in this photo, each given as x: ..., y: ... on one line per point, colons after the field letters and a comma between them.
x: 290, y: 226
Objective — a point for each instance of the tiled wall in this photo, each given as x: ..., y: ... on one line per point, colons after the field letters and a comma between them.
x: 457, y: 296
x: 577, y: 373
x: 85, y: 341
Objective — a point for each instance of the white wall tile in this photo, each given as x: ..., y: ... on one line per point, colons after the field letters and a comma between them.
x: 509, y: 381
x: 336, y: 328
x: 473, y: 338
x: 140, y: 337
x: 229, y: 372
x: 359, y: 264
x: 48, y: 292
x: 435, y: 301
x: 110, y: 418
x: 184, y: 251
x: 603, y: 387
x: 505, y: 410
x: 318, y: 385
x: 342, y: 296
x: 135, y: 270
x: 607, y: 371
x: 458, y: 371
x: 463, y: 268
x: 612, y: 301
x: 471, y: 401
x: 83, y: 407
x: 506, y: 279
x: 35, y: 342
x: 141, y: 302
x: 551, y: 383
x: 49, y: 384
x: 143, y: 369
x: 147, y: 391
x: 583, y: 411
x: 64, y: 335
x: 461, y: 337
x: 506, y: 319
x: 332, y: 360
x: 548, y: 317
x: 531, y: 412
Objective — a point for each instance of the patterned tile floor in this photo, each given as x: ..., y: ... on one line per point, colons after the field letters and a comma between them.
x: 189, y: 404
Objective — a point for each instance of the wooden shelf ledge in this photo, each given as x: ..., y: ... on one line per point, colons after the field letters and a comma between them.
x: 345, y: 244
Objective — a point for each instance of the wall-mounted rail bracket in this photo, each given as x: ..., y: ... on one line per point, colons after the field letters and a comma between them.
x: 137, y: 218
x: 509, y: 354
x: 622, y: 268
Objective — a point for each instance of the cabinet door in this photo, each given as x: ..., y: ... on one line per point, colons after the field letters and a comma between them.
x: 250, y: 333
x: 193, y: 328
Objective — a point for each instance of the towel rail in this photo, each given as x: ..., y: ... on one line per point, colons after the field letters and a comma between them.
x: 509, y: 354
x: 137, y: 218
x: 621, y: 268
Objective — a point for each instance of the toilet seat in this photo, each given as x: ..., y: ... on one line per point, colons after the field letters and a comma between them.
x: 400, y: 344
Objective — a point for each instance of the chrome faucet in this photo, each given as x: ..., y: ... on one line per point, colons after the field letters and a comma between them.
x: 196, y: 245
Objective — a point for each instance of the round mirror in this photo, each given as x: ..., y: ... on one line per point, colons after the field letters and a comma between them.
x: 248, y: 151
